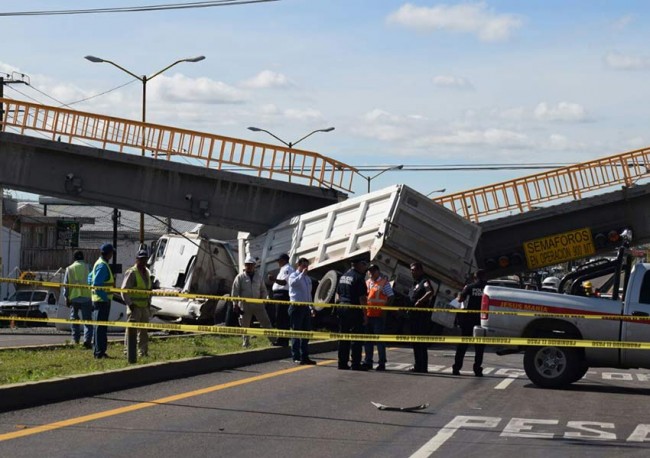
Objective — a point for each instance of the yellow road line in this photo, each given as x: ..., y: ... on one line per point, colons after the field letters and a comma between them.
x: 155, y: 402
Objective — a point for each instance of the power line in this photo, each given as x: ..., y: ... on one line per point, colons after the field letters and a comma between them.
x: 137, y: 9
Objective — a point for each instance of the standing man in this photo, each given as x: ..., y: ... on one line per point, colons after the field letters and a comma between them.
x: 250, y: 284
x: 78, y: 299
x: 138, y: 305
x: 280, y: 292
x: 352, y: 290
x: 420, y: 296
x: 380, y: 294
x: 472, y: 293
x: 300, y: 315
x: 101, y: 275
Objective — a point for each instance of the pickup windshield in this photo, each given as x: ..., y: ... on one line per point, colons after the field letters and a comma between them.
x: 21, y: 296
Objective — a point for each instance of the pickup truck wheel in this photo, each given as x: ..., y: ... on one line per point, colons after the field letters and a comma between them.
x: 553, y: 367
x: 326, y: 289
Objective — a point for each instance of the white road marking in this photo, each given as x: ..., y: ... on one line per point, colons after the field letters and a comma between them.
x: 505, y: 383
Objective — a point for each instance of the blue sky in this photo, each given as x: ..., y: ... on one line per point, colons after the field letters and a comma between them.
x: 411, y: 83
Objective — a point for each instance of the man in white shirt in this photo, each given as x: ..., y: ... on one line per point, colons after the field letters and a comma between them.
x: 280, y: 292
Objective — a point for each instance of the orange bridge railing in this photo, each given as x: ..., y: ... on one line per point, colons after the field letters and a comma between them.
x: 163, y: 142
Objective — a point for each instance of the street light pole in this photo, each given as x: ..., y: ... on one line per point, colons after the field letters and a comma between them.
x: 143, y: 79
x: 436, y: 191
x: 387, y: 169
x: 290, y: 144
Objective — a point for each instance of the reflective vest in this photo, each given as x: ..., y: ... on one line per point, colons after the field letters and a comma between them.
x: 139, y: 299
x: 376, y: 296
x: 77, y: 274
x: 109, y: 282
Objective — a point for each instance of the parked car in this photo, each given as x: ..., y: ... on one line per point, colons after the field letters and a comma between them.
x: 30, y: 303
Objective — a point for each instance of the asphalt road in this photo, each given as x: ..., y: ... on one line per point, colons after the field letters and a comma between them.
x: 279, y: 409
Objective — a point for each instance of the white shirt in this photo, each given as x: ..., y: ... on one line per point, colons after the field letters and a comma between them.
x: 284, y: 273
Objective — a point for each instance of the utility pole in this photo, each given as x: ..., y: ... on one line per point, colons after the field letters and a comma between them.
x: 24, y: 79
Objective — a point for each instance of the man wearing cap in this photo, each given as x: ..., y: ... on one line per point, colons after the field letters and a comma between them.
x: 380, y: 294
x: 78, y: 299
x: 250, y: 284
x: 102, y: 276
x: 352, y: 290
x: 280, y: 292
x: 473, y: 294
x: 138, y: 305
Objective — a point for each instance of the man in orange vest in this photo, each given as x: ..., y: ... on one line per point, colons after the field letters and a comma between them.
x: 380, y: 294
x: 138, y: 304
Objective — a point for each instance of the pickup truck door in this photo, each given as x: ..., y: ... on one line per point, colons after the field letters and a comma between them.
x: 638, y: 304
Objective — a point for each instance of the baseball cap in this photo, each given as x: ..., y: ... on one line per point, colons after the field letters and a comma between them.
x: 106, y: 248
x: 250, y: 260
x: 142, y: 254
x: 284, y: 256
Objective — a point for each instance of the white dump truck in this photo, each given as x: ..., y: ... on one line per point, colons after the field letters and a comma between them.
x: 391, y: 227
x: 626, y: 292
x: 196, y: 264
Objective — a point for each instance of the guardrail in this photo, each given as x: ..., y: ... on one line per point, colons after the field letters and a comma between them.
x: 522, y: 194
x: 164, y: 142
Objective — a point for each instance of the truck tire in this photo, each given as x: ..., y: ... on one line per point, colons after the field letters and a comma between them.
x: 220, y: 310
x: 326, y: 289
x: 553, y: 367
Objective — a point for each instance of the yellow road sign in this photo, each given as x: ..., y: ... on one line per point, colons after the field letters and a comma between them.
x: 558, y: 248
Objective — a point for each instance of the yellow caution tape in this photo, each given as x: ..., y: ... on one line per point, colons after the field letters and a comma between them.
x: 166, y: 293
x: 323, y: 335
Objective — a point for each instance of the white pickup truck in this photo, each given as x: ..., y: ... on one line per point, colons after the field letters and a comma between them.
x: 557, y: 366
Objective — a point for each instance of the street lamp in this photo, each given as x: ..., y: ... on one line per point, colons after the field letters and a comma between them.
x: 290, y: 144
x: 143, y: 79
x: 387, y: 169
x: 436, y: 191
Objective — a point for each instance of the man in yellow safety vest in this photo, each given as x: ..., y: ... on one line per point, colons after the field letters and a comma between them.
x: 138, y: 277
x: 78, y: 299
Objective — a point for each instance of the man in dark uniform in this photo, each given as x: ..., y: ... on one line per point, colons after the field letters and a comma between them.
x: 352, y: 290
x: 471, y: 296
x: 420, y: 295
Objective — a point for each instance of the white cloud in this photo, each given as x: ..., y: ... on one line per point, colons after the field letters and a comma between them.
x: 457, y: 82
x: 493, y: 137
x: 413, y: 133
x: 622, y: 22
x: 296, y: 114
x: 267, y: 79
x: 618, y: 61
x: 474, y: 18
x: 636, y: 143
x: 509, y: 114
x: 563, y: 111
x: 300, y: 114
x: 179, y: 88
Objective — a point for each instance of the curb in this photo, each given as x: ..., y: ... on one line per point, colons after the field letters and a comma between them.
x: 31, y: 394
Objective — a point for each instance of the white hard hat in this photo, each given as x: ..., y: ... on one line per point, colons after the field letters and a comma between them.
x: 250, y: 260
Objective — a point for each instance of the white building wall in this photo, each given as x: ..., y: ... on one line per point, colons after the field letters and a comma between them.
x: 11, y: 259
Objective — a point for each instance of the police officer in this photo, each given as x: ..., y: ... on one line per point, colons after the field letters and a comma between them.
x: 352, y: 290
x: 420, y: 296
x: 472, y: 293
